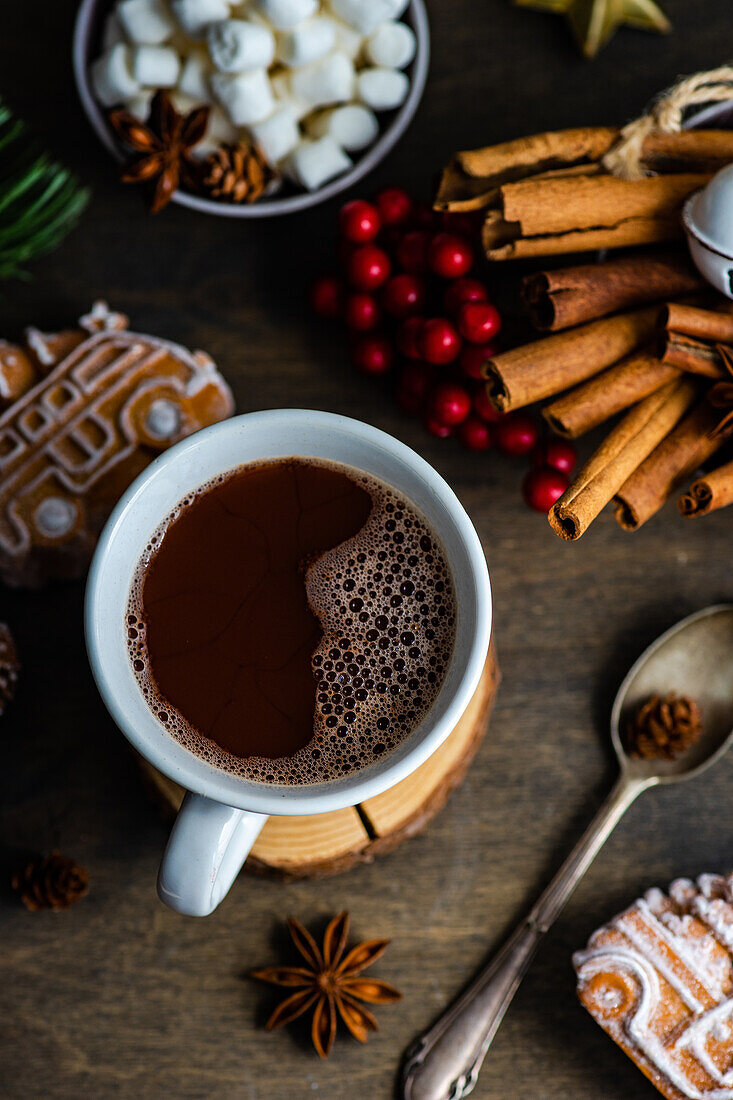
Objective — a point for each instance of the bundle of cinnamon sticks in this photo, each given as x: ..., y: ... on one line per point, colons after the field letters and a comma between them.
x: 549, y: 194
x: 628, y: 336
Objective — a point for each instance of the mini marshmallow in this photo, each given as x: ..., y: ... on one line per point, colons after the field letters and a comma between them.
x: 365, y: 15
x: 283, y: 93
x: 194, y: 16
x: 353, y: 127
x: 246, y: 97
x: 145, y: 21
x: 284, y: 14
x: 219, y: 131
x: 397, y: 7
x: 278, y: 135
x: 307, y: 42
x: 330, y: 80
x: 111, y: 76
x: 194, y: 77
x: 348, y: 39
x: 313, y: 163
x: 382, y: 89
x: 183, y: 103
x: 139, y: 105
x: 156, y: 66
x: 391, y: 46
x: 112, y: 34
x: 237, y: 46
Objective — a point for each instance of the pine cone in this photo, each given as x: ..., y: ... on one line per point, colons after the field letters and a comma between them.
x: 236, y: 173
x: 664, y: 727
x: 51, y: 882
x: 9, y: 666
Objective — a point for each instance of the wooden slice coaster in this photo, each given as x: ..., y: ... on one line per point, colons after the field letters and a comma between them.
x: 326, y: 844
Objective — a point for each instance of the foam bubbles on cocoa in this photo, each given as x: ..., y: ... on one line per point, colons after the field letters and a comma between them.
x: 386, y: 604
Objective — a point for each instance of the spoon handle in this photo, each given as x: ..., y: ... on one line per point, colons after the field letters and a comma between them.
x: 444, y: 1062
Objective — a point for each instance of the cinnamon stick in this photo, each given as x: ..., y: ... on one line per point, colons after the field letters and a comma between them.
x: 478, y: 172
x: 678, y: 454
x: 482, y: 170
x: 623, y: 450
x: 692, y: 356
x: 569, y: 296
x: 550, y: 216
x: 701, y: 324
x: 546, y: 367
x: 708, y: 493
x: 687, y: 150
x: 610, y: 392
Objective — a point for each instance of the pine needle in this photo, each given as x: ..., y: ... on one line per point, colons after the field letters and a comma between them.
x: 40, y: 200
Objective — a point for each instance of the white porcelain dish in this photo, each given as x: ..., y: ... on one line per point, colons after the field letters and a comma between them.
x: 87, y: 35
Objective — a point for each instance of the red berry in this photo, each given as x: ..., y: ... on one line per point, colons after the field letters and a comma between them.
x: 449, y: 403
x: 327, y: 296
x: 412, y: 252
x: 543, y: 486
x: 450, y: 256
x: 438, y: 341
x: 463, y: 290
x: 475, y: 434
x: 516, y: 434
x: 359, y: 221
x: 373, y: 354
x: 408, y: 337
x: 415, y: 381
x: 403, y: 294
x: 478, y: 321
x: 436, y: 428
x: 367, y: 267
x: 394, y: 206
x: 361, y: 312
x: 483, y: 407
x: 473, y: 357
x: 558, y: 453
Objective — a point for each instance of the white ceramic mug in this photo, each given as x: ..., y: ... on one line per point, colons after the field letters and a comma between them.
x: 222, y: 814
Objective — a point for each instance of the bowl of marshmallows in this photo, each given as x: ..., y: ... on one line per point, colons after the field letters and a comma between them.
x: 321, y: 89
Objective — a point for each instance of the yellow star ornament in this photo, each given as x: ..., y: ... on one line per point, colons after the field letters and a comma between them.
x: 595, y: 21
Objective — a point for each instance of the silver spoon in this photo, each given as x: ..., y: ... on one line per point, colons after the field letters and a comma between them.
x: 694, y: 658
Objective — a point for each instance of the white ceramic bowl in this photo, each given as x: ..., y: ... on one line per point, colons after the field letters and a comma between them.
x: 87, y: 35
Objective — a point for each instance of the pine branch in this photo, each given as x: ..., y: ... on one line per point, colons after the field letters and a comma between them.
x: 40, y: 200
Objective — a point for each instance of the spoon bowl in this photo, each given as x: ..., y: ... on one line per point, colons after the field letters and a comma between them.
x: 694, y: 658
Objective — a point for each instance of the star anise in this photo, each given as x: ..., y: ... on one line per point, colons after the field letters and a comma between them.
x: 721, y: 394
x: 329, y: 984
x: 164, y: 143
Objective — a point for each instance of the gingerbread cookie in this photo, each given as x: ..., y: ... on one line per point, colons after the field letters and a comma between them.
x: 659, y: 979
x: 85, y: 411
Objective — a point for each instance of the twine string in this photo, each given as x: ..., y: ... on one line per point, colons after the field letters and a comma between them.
x: 624, y: 159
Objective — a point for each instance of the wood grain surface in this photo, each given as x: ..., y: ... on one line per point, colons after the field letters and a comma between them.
x: 120, y: 997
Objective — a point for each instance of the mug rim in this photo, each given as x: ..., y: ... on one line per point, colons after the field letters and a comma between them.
x: 189, y: 769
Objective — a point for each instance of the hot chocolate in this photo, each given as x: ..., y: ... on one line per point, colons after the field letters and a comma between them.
x: 292, y: 621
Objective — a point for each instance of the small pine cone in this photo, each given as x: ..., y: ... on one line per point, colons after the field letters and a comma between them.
x: 9, y: 666
x: 664, y: 727
x: 51, y: 882
x: 236, y: 173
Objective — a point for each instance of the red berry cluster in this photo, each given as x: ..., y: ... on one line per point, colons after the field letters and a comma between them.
x: 408, y: 299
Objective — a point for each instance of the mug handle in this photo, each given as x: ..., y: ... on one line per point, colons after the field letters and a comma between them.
x: 208, y: 844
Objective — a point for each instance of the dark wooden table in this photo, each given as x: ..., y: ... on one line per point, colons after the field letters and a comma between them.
x: 122, y: 998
